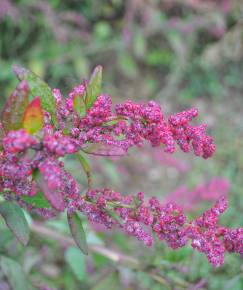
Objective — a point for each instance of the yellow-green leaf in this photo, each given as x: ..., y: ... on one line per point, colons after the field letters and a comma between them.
x: 33, y: 117
x: 79, y: 105
x: 93, y: 88
x: 37, y: 201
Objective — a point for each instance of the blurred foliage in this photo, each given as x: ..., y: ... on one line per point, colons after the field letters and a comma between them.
x: 178, y: 52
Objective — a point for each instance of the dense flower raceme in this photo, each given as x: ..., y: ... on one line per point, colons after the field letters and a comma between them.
x: 30, y: 164
x: 167, y: 221
x: 131, y: 124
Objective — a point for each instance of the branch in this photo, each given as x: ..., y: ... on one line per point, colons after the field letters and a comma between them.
x: 115, y: 256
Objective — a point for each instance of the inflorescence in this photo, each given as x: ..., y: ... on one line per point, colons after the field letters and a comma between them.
x: 30, y: 163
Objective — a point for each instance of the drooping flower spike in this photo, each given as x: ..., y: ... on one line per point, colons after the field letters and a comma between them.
x: 86, y: 123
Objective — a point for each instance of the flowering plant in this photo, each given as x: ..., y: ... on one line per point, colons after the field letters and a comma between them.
x: 39, y: 128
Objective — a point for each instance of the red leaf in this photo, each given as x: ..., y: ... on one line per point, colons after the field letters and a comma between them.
x: 13, y: 111
x: 54, y: 196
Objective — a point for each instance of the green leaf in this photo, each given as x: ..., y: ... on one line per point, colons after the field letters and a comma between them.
x: 33, y: 120
x: 99, y: 260
x: 86, y: 167
x: 93, y: 88
x: 15, y: 220
x: 5, y: 237
x: 114, y: 121
x: 77, y: 231
x: 14, y: 107
x: 76, y: 261
x: 79, y: 105
x: 14, y: 273
x: 37, y: 201
x: 38, y: 88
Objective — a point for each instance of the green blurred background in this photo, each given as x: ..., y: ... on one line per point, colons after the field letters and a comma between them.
x: 181, y: 53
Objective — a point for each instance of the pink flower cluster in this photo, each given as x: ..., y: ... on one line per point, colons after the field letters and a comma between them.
x: 184, y: 134
x: 131, y: 124
x: 30, y: 164
x: 18, y: 141
x: 167, y: 221
x: 58, y: 185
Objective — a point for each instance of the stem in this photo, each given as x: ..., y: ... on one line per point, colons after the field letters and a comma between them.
x: 115, y: 256
x: 87, y: 170
x: 117, y: 204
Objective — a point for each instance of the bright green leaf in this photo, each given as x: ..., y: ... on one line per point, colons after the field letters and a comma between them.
x: 79, y: 105
x: 99, y: 260
x: 15, y: 220
x: 37, y: 201
x: 114, y: 121
x: 93, y: 88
